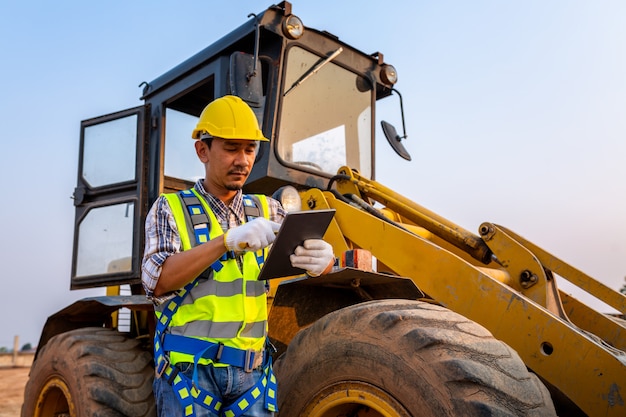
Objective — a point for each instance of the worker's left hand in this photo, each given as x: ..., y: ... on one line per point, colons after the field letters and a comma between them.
x: 315, y: 256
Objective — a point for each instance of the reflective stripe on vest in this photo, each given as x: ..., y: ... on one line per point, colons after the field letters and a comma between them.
x: 227, y: 305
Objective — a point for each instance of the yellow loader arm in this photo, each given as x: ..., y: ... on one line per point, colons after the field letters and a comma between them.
x: 498, y: 280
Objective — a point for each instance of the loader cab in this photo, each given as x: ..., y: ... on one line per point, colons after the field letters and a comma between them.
x: 313, y: 95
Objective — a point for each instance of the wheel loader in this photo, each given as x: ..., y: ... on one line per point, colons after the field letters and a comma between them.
x: 419, y: 317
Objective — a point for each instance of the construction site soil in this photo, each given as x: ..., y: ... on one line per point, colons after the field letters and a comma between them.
x: 12, y: 383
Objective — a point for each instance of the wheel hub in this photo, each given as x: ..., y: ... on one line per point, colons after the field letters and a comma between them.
x: 354, y: 399
x: 55, y: 400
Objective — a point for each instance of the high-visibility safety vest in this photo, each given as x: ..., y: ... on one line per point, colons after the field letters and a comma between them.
x: 220, y: 317
x: 230, y: 307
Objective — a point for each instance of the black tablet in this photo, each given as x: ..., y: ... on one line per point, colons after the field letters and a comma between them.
x: 297, y: 227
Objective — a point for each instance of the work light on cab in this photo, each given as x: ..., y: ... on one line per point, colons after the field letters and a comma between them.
x: 388, y: 74
x: 289, y: 198
x: 293, y: 27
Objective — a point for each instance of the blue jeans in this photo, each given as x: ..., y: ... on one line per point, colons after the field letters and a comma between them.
x: 228, y: 382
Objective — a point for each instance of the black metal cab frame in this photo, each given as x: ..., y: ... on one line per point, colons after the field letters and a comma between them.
x: 314, y: 97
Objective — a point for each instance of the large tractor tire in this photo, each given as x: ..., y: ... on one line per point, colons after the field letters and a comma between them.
x: 90, y: 372
x: 398, y: 358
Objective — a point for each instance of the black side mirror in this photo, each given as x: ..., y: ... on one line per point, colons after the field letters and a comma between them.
x: 394, y: 140
x: 392, y: 135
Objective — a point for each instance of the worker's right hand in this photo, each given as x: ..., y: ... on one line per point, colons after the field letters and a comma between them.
x: 251, y: 236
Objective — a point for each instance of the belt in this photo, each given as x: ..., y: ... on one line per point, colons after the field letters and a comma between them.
x: 217, y: 352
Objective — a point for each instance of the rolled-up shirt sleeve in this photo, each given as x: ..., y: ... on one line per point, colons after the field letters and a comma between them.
x: 277, y: 212
x: 162, y: 240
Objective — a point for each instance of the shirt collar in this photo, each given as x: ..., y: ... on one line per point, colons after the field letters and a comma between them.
x: 218, y: 207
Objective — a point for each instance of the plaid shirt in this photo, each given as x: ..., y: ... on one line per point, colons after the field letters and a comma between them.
x: 163, y: 239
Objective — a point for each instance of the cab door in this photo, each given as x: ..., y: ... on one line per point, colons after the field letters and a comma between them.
x: 109, y: 200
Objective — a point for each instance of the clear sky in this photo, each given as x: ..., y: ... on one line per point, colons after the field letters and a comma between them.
x: 516, y: 114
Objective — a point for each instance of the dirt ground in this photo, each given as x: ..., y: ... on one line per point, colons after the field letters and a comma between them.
x: 12, y: 383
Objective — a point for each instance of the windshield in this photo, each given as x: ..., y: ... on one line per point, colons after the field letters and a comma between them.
x: 326, y: 119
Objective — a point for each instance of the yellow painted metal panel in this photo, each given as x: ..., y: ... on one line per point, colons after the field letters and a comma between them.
x: 587, y: 372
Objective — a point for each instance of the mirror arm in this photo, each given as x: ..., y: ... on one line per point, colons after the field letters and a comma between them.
x: 257, y: 33
x: 401, y: 114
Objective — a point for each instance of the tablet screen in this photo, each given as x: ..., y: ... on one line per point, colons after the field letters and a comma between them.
x: 295, y: 229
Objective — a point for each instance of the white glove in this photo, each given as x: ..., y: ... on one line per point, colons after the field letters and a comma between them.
x: 314, y: 256
x: 251, y: 236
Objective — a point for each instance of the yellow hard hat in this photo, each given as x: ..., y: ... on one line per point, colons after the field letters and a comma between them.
x: 228, y: 117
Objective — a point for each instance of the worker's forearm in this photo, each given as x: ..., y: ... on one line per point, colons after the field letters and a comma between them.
x: 181, y: 268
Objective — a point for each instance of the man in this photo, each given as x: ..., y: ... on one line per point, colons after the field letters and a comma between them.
x: 201, y: 261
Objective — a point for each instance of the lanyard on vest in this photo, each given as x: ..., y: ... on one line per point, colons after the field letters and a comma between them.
x: 186, y: 389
